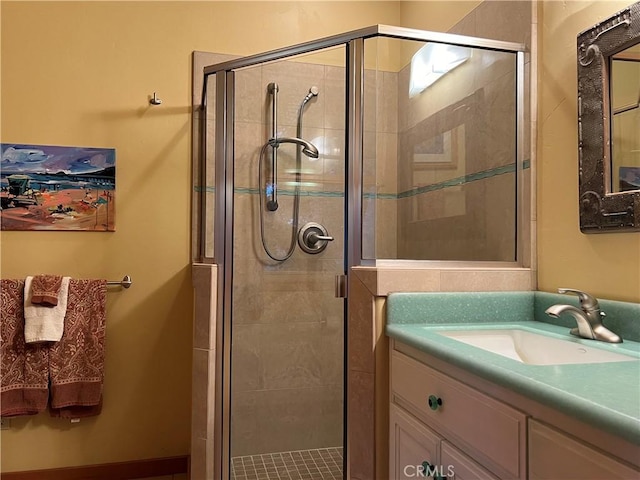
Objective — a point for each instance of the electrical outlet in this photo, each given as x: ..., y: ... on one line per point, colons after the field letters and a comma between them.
x: 5, y: 423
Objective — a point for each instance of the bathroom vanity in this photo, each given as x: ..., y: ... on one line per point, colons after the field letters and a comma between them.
x: 459, y: 411
x: 457, y: 425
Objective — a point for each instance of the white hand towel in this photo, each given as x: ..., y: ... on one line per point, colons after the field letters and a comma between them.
x: 44, y: 324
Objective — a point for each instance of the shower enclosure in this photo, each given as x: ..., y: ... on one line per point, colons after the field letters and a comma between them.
x: 379, y: 145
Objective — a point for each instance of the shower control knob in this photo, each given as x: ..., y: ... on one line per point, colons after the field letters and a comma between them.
x: 313, y: 238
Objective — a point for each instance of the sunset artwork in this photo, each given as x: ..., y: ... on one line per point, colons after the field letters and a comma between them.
x: 47, y: 187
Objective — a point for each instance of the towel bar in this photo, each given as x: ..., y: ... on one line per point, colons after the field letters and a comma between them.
x: 124, y: 283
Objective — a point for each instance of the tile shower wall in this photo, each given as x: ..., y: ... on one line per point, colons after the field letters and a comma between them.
x: 464, y: 210
x: 514, y: 21
x: 287, y: 337
x: 509, y: 21
x: 380, y: 163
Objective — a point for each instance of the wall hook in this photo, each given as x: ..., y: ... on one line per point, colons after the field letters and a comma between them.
x: 155, y: 100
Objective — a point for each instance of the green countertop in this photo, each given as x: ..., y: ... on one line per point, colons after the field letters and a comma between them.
x: 605, y: 395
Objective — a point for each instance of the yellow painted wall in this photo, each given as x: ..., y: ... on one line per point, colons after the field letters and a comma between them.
x: 606, y: 265
x: 80, y: 73
x: 435, y: 15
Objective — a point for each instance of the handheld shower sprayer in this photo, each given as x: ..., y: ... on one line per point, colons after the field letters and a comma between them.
x: 308, y: 148
x: 313, y: 92
x: 271, y: 189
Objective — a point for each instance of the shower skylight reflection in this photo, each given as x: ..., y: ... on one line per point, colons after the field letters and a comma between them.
x: 432, y: 61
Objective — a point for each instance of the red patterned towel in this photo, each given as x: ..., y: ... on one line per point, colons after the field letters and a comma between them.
x: 45, y: 290
x: 76, y: 362
x: 24, y: 367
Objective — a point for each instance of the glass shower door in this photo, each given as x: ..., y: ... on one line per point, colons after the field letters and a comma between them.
x: 287, y: 326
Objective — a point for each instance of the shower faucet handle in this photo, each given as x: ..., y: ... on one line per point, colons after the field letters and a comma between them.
x: 315, y: 238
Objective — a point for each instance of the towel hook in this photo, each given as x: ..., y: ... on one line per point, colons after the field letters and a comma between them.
x: 155, y: 100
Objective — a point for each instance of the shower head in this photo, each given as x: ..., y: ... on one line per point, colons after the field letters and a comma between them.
x: 313, y: 92
x: 308, y: 149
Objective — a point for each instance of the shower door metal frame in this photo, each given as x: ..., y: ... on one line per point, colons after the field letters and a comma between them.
x: 223, y: 221
x: 223, y: 248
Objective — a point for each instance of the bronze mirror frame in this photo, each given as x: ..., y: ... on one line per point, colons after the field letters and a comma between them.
x: 602, y: 211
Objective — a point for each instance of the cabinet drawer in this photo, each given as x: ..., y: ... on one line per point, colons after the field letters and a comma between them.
x: 458, y: 466
x: 553, y: 455
x: 488, y: 430
x: 411, y: 445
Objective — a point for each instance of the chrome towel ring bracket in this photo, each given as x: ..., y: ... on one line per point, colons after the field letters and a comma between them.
x: 313, y: 238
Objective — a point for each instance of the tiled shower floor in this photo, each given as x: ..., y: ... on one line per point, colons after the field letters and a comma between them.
x: 318, y: 464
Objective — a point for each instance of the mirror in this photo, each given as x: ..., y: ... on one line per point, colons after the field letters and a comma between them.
x: 625, y: 120
x: 608, y: 124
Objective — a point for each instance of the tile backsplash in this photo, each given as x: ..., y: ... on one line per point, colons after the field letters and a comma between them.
x: 622, y: 318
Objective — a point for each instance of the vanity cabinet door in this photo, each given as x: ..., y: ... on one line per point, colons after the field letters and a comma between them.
x: 458, y: 466
x: 554, y: 455
x: 411, y: 444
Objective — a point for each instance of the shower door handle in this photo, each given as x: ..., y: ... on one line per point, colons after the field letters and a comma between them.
x: 341, y: 286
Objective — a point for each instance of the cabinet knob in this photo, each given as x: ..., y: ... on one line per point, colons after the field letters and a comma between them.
x: 429, y: 470
x: 434, y: 402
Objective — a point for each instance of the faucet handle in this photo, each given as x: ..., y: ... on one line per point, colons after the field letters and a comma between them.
x: 587, y: 302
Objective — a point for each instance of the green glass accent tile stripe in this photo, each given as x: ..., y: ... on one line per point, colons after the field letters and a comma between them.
x: 207, y: 189
x: 472, y: 177
x: 254, y: 191
x: 290, y: 193
x: 379, y: 196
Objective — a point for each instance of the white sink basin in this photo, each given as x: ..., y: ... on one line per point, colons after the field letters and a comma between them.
x: 534, y: 348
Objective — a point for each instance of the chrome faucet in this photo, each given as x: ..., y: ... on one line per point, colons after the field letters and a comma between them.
x: 588, y: 317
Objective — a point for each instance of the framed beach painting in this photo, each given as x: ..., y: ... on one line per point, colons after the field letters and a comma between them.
x: 46, y: 187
